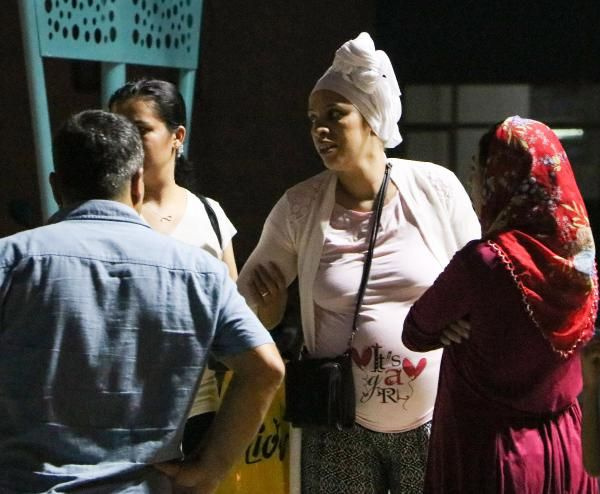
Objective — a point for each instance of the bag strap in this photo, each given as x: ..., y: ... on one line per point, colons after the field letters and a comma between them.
x: 212, y: 216
x: 378, y: 208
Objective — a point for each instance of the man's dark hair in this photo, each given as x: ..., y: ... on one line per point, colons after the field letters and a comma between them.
x: 95, y: 155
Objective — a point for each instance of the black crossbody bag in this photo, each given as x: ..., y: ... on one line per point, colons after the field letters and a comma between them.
x: 319, y: 392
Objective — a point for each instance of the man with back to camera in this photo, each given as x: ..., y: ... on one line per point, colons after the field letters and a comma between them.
x: 105, y: 326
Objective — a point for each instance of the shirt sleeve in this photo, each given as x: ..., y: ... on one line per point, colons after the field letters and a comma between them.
x: 447, y: 300
x: 276, y: 244
x: 237, y: 328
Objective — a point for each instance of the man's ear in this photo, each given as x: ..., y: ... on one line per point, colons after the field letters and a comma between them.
x: 137, y: 189
x: 56, y: 189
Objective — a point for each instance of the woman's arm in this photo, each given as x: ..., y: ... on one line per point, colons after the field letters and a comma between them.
x: 271, y: 268
x: 269, y: 284
x: 433, y: 320
x: 590, y: 432
x: 229, y: 260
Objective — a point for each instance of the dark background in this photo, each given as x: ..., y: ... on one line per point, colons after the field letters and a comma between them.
x: 479, y: 41
x: 259, y: 61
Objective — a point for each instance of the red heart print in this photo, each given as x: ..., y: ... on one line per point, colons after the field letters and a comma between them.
x: 412, y: 371
x: 364, y: 359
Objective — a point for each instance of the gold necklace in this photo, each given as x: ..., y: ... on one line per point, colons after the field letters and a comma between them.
x: 163, y: 218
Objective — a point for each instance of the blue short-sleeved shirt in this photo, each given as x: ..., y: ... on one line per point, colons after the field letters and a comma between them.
x: 105, y: 326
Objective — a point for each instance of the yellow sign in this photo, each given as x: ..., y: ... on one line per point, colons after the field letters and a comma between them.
x: 265, y: 466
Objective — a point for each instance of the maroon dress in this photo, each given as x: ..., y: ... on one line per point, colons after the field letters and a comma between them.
x: 506, y: 418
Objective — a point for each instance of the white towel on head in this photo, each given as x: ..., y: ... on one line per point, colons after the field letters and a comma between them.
x: 366, y: 78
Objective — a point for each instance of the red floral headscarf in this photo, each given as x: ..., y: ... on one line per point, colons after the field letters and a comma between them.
x: 534, y: 217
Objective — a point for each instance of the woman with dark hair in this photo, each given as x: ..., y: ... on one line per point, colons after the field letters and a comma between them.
x: 158, y: 110
x: 506, y: 418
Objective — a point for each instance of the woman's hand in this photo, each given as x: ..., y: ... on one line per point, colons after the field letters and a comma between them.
x: 590, y: 361
x: 456, y: 332
x: 270, y: 290
x: 268, y: 281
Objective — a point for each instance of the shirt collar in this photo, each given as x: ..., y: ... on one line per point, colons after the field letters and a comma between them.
x: 98, y: 209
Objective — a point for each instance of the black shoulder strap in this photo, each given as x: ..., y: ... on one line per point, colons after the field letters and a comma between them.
x: 378, y: 208
x: 212, y: 216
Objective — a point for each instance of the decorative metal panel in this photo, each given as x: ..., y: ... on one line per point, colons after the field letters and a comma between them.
x: 147, y: 32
